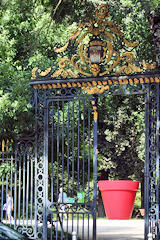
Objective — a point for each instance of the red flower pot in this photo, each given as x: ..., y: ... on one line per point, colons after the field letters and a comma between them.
x: 118, y: 197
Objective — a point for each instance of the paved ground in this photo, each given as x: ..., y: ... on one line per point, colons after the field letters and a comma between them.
x: 111, y: 229
x: 120, y: 229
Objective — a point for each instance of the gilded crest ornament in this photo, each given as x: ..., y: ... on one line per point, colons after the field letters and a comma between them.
x: 96, y: 53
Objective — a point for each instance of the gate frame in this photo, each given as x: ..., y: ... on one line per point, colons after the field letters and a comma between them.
x: 147, y: 84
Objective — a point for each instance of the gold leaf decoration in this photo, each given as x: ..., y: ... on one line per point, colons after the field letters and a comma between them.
x: 81, y: 38
x: 72, y: 74
x: 129, y: 44
x: 129, y: 69
x: 149, y: 66
x: 157, y: 80
x: 117, y: 31
x: 95, y: 69
x: 120, y: 70
x: 56, y: 74
x: 95, y: 111
x: 110, y: 48
x: 34, y: 73
x: 44, y: 73
x: 75, y: 35
x: 135, y: 68
x: 62, y: 63
x: 78, y: 68
x: 95, y: 116
x: 62, y: 49
x: 109, y: 35
x: 64, y: 74
x: 110, y: 23
x: 129, y: 57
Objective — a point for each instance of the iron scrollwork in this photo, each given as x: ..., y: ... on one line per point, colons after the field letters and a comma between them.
x: 103, y: 33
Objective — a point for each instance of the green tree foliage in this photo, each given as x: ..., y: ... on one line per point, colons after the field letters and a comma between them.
x: 121, y: 137
x: 27, y: 38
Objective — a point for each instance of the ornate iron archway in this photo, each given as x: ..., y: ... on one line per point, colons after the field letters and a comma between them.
x: 92, y: 68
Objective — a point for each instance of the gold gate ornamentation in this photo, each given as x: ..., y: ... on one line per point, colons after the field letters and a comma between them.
x: 96, y: 55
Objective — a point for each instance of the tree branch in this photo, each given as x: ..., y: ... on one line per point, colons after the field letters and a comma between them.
x: 55, y: 10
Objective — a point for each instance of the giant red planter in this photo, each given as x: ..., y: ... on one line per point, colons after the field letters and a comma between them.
x: 118, y: 197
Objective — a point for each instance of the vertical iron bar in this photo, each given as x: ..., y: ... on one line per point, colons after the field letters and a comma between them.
x: 78, y: 163
x: 35, y: 160
x: 73, y: 156
x: 15, y: 187
x: 83, y: 159
x: 24, y: 185
x: 45, y: 175
x: 89, y: 147
x: 58, y: 109
x: 157, y: 159
x: 7, y: 189
x: 146, y: 167
x: 68, y: 147
x: 95, y: 172
x: 78, y: 224
x: 78, y: 150
x: 31, y: 189
x: 88, y: 228
x: 11, y: 166
x: 2, y: 196
x: 62, y: 148
x: 52, y: 152
x: 73, y: 150
x: 51, y: 217
x: 62, y: 157
x: 19, y: 190
x: 83, y: 175
x: 27, y: 189
x: 83, y: 227
x: 58, y: 150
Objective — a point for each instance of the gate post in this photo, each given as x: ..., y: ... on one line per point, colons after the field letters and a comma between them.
x: 152, y: 131
x: 94, y: 104
x: 146, y: 167
x: 40, y: 169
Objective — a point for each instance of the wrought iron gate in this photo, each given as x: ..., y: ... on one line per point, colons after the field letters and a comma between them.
x: 152, y: 131
x: 17, y: 178
x: 67, y: 136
